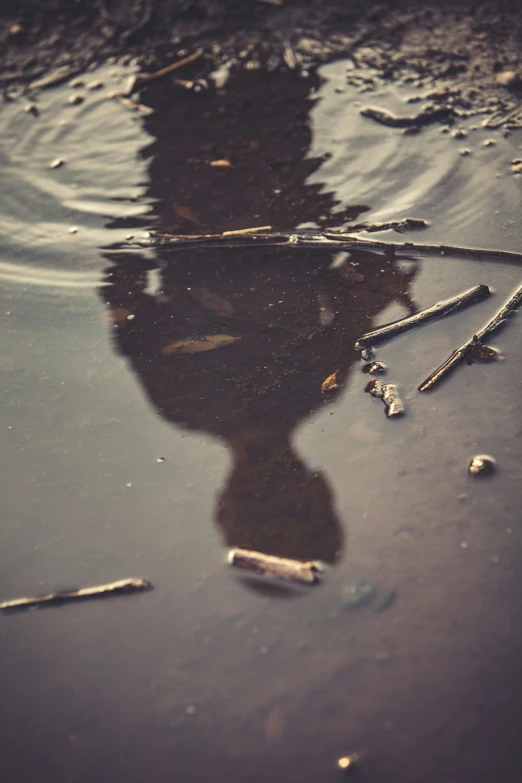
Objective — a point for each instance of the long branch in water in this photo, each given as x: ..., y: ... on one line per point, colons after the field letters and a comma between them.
x: 438, y: 310
x: 318, y: 240
x: 458, y: 356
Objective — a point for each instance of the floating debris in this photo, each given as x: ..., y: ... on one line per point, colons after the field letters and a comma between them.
x: 123, y: 586
x: 374, y: 388
x: 348, y: 763
x: 471, y: 346
x: 221, y: 164
x: 56, y: 163
x: 198, y: 344
x: 476, y: 294
x: 375, y: 368
x: 390, y: 397
x: 385, y: 117
x: 482, y: 464
x: 300, y: 571
x: 329, y: 383
x: 368, y: 354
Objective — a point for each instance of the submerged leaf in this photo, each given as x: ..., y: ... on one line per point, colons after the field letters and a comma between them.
x: 212, y: 301
x: 329, y: 383
x: 198, y: 344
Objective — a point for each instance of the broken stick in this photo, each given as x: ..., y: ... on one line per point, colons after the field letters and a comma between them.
x: 56, y: 599
x: 300, y: 571
x: 458, y: 356
x: 438, y: 310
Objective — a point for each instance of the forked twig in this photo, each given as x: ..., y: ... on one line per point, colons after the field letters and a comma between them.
x: 458, y: 356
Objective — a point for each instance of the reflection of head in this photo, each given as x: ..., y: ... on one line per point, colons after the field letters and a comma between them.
x: 274, y: 323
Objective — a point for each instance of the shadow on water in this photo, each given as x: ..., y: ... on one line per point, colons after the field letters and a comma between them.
x: 282, y: 322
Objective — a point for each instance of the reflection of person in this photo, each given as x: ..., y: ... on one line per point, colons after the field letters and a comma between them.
x: 293, y: 320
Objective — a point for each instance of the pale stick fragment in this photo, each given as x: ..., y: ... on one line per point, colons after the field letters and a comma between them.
x: 299, y: 571
x: 132, y: 585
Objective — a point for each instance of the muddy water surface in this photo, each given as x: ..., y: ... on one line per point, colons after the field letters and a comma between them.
x: 122, y: 456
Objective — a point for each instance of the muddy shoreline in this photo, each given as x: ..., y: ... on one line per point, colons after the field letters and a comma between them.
x: 471, y: 49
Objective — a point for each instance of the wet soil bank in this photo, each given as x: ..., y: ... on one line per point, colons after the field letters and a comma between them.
x: 474, y: 45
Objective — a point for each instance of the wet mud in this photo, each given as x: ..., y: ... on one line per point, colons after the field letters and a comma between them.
x: 159, y: 409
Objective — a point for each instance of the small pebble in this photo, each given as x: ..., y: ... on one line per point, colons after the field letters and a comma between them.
x: 31, y: 108
x: 160, y: 459
x: 74, y: 83
x: 75, y: 99
x: 489, y: 143
x: 459, y: 133
x: 465, y: 152
x: 376, y: 368
x: 463, y: 544
x: 482, y: 464
x: 56, y: 163
x: 368, y: 354
x: 507, y: 78
x: 95, y: 85
x: 130, y: 317
x: 73, y: 230
x: 347, y: 763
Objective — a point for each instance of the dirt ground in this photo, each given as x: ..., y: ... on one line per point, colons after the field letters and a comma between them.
x: 471, y: 48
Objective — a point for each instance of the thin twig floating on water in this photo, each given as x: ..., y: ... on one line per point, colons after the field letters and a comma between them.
x: 123, y: 586
x: 474, y: 343
x: 301, y: 571
x: 322, y: 240
x: 438, y: 310
x: 385, y: 117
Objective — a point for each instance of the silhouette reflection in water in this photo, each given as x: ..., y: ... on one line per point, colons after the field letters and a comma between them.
x: 294, y: 316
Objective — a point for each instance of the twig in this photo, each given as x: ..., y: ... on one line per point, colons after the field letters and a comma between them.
x: 300, y: 571
x: 438, y: 310
x: 148, y: 77
x: 324, y: 240
x: 101, y: 591
x: 385, y: 117
x: 458, y: 356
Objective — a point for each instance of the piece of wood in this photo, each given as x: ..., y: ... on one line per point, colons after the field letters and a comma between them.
x: 317, y: 240
x: 123, y: 586
x: 438, y: 310
x: 301, y: 571
x: 465, y: 350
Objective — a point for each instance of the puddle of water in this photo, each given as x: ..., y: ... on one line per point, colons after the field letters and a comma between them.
x: 123, y: 457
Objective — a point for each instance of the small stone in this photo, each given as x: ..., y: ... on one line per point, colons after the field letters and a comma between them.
x: 95, y: 85
x: 160, y: 459
x: 57, y: 162
x: 459, y: 133
x: 465, y: 152
x: 489, y: 143
x: 16, y: 29
x: 507, y: 78
x: 75, y: 99
x: 368, y: 354
x: 376, y: 368
x: 31, y: 108
x: 73, y: 230
x: 78, y: 82
x: 516, y: 168
x: 130, y: 317
x: 348, y: 763
x: 482, y: 464
x: 464, y: 544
